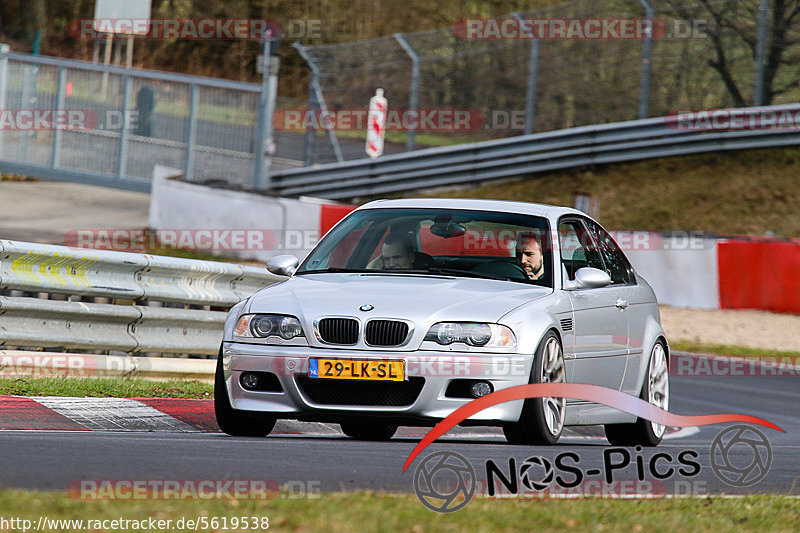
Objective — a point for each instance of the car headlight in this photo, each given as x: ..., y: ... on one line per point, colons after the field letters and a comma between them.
x: 263, y: 326
x: 472, y: 334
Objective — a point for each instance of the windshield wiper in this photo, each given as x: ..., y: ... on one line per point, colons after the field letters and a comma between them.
x: 440, y: 270
x: 468, y: 273
x: 334, y: 269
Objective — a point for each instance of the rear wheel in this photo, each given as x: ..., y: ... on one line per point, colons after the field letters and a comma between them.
x: 233, y: 421
x: 655, y: 390
x: 542, y: 419
x: 368, y: 430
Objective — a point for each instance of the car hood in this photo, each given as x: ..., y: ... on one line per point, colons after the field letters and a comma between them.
x: 421, y: 298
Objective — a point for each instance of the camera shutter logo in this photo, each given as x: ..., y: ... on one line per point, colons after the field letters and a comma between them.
x: 735, y: 464
x: 525, y: 473
x: 445, y: 482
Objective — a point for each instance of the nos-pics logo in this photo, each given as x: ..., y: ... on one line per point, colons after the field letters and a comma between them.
x: 445, y: 481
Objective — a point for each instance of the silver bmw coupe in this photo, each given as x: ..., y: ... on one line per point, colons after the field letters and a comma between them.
x: 409, y: 309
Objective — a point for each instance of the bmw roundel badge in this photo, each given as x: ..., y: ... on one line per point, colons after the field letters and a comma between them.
x: 366, y: 307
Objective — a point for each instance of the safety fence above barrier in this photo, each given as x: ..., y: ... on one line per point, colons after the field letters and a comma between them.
x: 463, y: 164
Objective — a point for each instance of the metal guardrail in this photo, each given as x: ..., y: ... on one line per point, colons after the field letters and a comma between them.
x: 526, y: 154
x: 148, y: 281
x: 17, y: 363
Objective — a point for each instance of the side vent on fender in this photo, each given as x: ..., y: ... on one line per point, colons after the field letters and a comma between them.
x: 566, y: 324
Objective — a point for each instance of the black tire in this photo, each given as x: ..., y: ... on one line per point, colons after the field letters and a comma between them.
x: 639, y: 433
x: 233, y: 421
x: 368, y: 430
x: 531, y: 428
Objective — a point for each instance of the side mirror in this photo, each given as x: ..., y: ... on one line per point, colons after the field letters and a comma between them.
x: 283, y: 265
x: 590, y: 278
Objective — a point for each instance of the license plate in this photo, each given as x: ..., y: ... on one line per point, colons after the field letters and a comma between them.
x: 351, y: 369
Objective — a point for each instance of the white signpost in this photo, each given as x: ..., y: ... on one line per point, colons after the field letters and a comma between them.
x: 124, y: 17
x: 376, y: 124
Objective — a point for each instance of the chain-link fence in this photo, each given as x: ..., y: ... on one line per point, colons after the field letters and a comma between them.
x: 66, y: 119
x: 585, y: 67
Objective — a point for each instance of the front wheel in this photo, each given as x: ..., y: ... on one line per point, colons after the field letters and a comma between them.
x: 542, y: 419
x: 655, y: 390
x: 368, y: 430
x: 233, y: 421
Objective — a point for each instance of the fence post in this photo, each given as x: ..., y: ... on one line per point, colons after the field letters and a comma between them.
x: 647, y: 57
x: 123, y: 134
x: 4, y: 49
x: 761, y: 44
x: 60, y: 96
x: 533, y: 78
x: 317, y: 88
x: 262, y: 174
x: 413, y: 97
x: 310, y: 146
x: 191, y: 138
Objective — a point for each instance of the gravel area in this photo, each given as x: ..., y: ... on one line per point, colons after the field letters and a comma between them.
x: 754, y: 329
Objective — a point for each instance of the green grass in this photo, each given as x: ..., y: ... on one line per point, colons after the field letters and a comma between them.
x: 105, y: 387
x: 726, y: 349
x: 373, y: 511
x: 745, y: 192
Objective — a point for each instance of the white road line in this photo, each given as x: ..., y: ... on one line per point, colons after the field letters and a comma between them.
x: 120, y: 414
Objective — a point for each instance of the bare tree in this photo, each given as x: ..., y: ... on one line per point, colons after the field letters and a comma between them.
x: 732, y: 27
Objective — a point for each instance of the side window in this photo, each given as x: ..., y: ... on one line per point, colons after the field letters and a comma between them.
x: 617, y: 264
x: 577, y: 249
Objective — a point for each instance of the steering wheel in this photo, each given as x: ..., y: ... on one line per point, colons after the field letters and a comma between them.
x: 502, y: 268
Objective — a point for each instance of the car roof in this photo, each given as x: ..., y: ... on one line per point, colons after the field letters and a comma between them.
x: 542, y: 210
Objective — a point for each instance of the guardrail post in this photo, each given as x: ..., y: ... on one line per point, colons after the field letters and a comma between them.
x: 761, y: 44
x: 191, y: 138
x: 647, y: 56
x: 317, y: 88
x: 533, y: 78
x: 413, y: 97
x: 4, y: 49
x: 61, y: 88
x: 123, y: 134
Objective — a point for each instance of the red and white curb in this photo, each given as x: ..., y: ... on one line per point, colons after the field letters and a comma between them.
x: 184, y: 415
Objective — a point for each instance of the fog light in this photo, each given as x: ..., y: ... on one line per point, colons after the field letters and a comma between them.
x: 249, y: 380
x: 480, y: 388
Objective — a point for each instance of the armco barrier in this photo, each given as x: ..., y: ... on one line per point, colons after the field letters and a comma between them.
x: 132, y: 278
x: 59, y: 269
x: 15, y: 363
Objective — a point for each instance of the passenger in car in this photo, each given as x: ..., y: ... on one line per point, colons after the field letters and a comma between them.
x: 397, y: 253
x: 529, y: 253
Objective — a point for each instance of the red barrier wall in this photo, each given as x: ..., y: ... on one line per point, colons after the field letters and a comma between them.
x: 330, y: 214
x: 759, y: 275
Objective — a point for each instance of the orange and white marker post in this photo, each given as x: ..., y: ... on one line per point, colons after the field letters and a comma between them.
x: 376, y: 124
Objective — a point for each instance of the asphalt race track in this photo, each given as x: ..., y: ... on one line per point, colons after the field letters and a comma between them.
x: 53, y: 459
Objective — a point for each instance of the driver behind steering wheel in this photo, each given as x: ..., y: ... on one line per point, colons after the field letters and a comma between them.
x: 529, y: 254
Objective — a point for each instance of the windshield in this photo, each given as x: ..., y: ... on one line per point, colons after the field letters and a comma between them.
x: 484, y: 244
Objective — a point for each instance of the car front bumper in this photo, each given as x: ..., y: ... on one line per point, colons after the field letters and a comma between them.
x: 290, y: 365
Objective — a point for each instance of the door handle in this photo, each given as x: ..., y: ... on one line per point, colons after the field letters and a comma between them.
x: 622, y: 304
